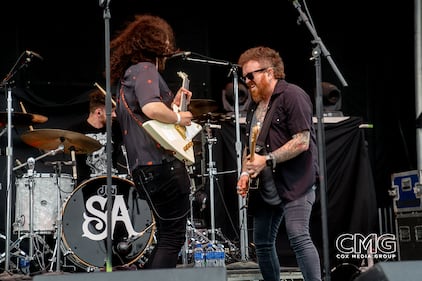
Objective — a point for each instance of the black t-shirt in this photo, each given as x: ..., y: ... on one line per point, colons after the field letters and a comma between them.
x: 95, y: 164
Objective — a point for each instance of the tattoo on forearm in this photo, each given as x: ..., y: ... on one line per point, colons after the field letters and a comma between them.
x: 291, y: 149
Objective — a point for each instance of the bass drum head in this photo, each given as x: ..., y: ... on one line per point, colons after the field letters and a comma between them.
x: 84, y: 232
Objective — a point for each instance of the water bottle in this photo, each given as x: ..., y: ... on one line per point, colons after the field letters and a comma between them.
x: 198, y: 255
x: 221, y: 256
x: 24, y: 265
x: 210, y: 258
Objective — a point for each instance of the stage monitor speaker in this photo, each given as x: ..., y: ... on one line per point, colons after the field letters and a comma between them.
x: 393, y: 271
x: 173, y: 274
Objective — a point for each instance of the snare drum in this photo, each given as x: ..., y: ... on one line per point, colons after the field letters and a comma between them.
x: 45, y: 191
x: 85, y: 223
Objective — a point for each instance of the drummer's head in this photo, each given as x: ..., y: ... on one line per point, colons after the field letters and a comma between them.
x: 97, y: 105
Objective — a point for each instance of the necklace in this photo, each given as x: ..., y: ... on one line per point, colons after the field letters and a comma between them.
x: 261, y: 110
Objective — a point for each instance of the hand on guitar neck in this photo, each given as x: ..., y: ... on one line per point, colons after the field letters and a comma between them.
x: 251, y: 181
x: 182, y: 99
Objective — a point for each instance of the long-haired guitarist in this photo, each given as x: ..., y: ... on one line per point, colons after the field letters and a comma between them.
x: 138, y: 56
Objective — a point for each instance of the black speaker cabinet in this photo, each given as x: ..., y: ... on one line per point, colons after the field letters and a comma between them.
x: 409, y: 235
x: 393, y: 271
x: 173, y: 274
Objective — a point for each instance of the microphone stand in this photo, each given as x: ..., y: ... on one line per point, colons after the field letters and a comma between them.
x: 243, y: 224
x: 105, y: 4
x: 316, y: 56
x: 6, y: 83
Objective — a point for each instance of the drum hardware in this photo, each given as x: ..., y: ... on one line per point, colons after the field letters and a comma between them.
x: 193, y: 234
x: 124, y: 151
x: 36, y: 242
x: 125, y: 246
x: 58, y: 225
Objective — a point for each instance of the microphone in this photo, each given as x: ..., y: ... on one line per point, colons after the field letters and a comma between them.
x: 180, y: 54
x: 33, y: 54
x: 124, y: 247
x: 31, y: 163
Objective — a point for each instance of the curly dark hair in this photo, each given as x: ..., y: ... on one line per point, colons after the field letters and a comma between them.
x: 148, y: 38
x: 267, y: 57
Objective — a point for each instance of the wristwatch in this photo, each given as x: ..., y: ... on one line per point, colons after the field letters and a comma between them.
x: 270, y: 160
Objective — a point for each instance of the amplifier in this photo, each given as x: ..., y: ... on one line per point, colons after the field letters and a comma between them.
x: 406, y: 191
x: 409, y: 235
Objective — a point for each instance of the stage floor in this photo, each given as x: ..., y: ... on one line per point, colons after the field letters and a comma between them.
x: 235, y: 272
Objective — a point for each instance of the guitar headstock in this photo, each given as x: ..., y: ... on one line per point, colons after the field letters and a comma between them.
x: 185, y: 79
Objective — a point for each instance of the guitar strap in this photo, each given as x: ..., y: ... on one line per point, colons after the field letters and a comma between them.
x: 268, y: 189
x: 267, y: 120
x: 123, y: 99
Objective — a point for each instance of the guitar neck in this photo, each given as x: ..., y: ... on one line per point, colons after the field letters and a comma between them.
x: 254, y: 137
x: 185, y: 84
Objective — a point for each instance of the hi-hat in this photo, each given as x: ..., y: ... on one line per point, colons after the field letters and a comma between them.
x: 22, y: 119
x: 50, y: 139
x: 199, y: 107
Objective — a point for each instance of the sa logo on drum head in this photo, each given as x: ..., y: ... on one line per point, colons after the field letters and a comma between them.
x: 85, y: 223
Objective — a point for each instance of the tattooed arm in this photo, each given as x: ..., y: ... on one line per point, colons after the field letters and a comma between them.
x: 298, y: 144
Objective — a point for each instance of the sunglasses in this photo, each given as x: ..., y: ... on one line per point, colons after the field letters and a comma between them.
x: 250, y: 74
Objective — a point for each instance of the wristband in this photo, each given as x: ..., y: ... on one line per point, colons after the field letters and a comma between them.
x: 178, y: 118
x: 244, y: 174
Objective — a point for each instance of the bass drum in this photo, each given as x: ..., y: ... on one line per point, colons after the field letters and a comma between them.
x: 84, y: 233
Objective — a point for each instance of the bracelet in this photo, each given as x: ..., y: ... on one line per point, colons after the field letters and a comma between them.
x: 273, y: 160
x: 178, y: 118
x: 244, y: 174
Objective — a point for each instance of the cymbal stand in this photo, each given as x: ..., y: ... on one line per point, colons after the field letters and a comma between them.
x: 57, y: 253
x: 211, y: 173
x: 189, y: 229
x: 6, y: 83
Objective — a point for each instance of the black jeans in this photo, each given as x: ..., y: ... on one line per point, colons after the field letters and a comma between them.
x: 166, y: 188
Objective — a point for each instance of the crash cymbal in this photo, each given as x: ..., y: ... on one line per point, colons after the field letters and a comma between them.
x: 22, y: 119
x: 50, y: 139
x: 202, y: 106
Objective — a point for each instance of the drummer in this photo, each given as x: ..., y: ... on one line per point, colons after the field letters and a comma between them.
x: 95, y: 164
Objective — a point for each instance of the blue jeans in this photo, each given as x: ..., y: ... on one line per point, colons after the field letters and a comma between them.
x: 266, y: 222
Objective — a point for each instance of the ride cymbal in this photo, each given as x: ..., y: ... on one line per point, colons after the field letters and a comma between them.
x: 199, y: 107
x: 22, y: 119
x: 50, y: 139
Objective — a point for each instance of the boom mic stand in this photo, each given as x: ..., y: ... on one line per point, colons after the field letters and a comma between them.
x: 106, y: 14
x: 320, y: 47
x: 6, y: 83
x: 238, y: 145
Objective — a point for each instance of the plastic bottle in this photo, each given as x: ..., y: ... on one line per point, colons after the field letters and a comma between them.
x: 24, y: 265
x: 221, y: 256
x: 210, y: 258
x: 198, y: 255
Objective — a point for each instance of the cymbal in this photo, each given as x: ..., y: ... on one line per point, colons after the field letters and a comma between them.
x: 202, y: 106
x: 50, y: 139
x: 22, y: 119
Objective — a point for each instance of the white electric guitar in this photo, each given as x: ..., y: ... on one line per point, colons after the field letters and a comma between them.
x: 175, y: 137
